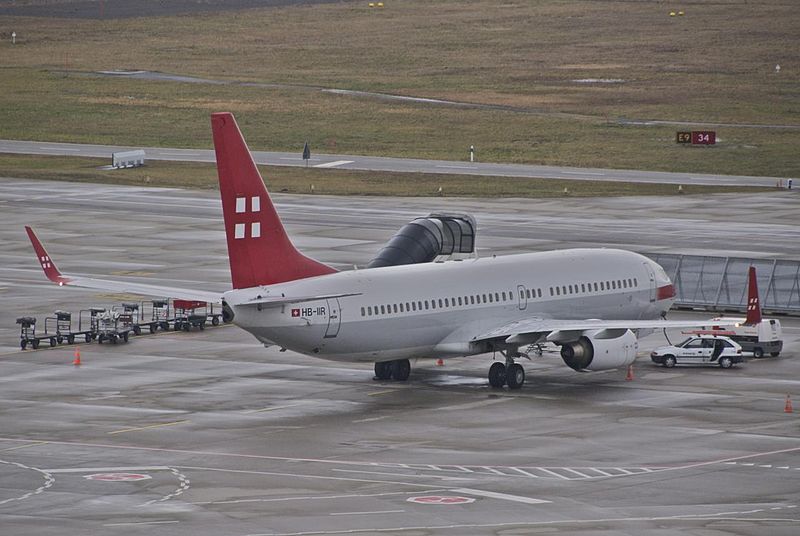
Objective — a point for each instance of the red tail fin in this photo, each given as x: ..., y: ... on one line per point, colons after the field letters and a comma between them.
x: 753, y: 302
x: 50, y: 270
x: 259, y: 250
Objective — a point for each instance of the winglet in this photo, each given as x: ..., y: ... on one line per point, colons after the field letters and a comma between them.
x: 259, y: 250
x: 753, y: 302
x: 47, y: 264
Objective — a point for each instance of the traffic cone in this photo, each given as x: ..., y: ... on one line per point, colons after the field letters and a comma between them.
x: 788, y: 407
x: 629, y: 376
x: 440, y: 362
x: 77, y: 360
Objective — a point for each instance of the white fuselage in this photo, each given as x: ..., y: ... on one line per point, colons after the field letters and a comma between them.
x: 434, y: 309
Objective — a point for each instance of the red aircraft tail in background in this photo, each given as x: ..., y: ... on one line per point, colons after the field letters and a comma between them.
x: 753, y: 302
x: 259, y: 249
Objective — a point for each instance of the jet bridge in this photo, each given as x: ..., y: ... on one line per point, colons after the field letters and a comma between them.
x: 435, y: 237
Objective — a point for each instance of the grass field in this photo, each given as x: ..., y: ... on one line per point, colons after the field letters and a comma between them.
x: 715, y: 64
x: 335, y: 181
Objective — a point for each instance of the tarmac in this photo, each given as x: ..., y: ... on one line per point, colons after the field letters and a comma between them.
x: 209, y: 433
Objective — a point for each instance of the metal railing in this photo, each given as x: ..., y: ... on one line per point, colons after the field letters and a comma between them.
x: 720, y: 283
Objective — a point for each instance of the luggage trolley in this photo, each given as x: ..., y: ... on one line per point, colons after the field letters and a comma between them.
x: 63, y: 328
x: 89, y: 318
x: 187, y: 316
x: 110, y: 327
x: 130, y: 315
x: 27, y: 333
x: 159, y: 315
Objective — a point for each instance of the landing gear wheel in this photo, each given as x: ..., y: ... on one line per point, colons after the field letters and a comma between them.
x: 401, y: 368
x: 497, y: 375
x: 758, y: 353
x: 669, y: 361
x: 383, y: 370
x: 515, y: 376
x: 725, y: 362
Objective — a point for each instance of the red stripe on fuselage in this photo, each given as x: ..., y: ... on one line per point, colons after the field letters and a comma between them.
x: 666, y: 292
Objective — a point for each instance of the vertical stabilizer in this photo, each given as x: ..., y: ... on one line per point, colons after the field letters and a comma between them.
x: 753, y: 302
x: 259, y: 250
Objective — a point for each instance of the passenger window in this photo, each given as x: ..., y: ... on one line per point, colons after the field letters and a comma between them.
x: 446, y: 302
x: 540, y: 293
x: 504, y: 296
x: 558, y: 291
x: 583, y: 287
x: 551, y: 291
x: 433, y: 304
x: 402, y: 309
x: 383, y: 310
x: 394, y: 305
x: 369, y: 310
x: 472, y: 300
x: 459, y: 300
x: 602, y: 286
x: 363, y: 311
x: 440, y: 303
x: 426, y: 305
x: 484, y: 298
x: 528, y: 293
x: 635, y: 282
x: 564, y: 289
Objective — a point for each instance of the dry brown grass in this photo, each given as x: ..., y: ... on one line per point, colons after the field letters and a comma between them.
x: 714, y: 64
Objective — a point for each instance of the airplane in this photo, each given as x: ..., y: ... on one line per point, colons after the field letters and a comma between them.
x: 593, y: 303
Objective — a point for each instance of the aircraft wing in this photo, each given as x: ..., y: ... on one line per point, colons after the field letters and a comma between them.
x: 55, y: 275
x: 555, y: 330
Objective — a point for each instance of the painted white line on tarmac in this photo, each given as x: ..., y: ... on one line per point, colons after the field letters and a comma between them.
x: 107, y: 469
x: 378, y: 473
x: 133, y: 523
x: 324, y: 497
x: 583, y: 173
x: 366, y: 513
x: 333, y: 164
x: 500, y: 496
x: 456, y: 167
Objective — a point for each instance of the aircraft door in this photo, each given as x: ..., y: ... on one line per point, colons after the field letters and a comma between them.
x: 523, y: 300
x: 652, y: 276
x: 334, y: 318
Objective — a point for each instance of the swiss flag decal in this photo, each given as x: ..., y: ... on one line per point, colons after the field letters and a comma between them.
x: 295, y: 312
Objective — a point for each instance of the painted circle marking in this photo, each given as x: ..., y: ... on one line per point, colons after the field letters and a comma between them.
x: 117, y: 477
x: 440, y: 499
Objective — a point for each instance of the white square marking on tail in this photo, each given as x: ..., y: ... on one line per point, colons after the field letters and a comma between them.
x: 255, y: 229
x: 255, y: 204
x: 241, y: 204
x: 238, y: 230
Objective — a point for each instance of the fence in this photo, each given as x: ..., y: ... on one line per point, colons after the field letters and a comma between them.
x: 720, y: 283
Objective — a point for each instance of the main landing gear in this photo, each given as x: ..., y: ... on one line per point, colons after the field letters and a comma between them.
x: 399, y: 370
x: 510, y: 373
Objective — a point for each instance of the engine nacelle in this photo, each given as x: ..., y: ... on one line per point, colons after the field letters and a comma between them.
x: 601, y: 350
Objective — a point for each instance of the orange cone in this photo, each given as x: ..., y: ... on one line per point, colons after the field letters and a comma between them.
x: 788, y: 407
x: 440, y: 362
x: 77, y: 360
x: 629, y: 377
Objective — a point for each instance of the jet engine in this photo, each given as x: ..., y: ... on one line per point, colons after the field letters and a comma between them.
x: 600, y: 350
